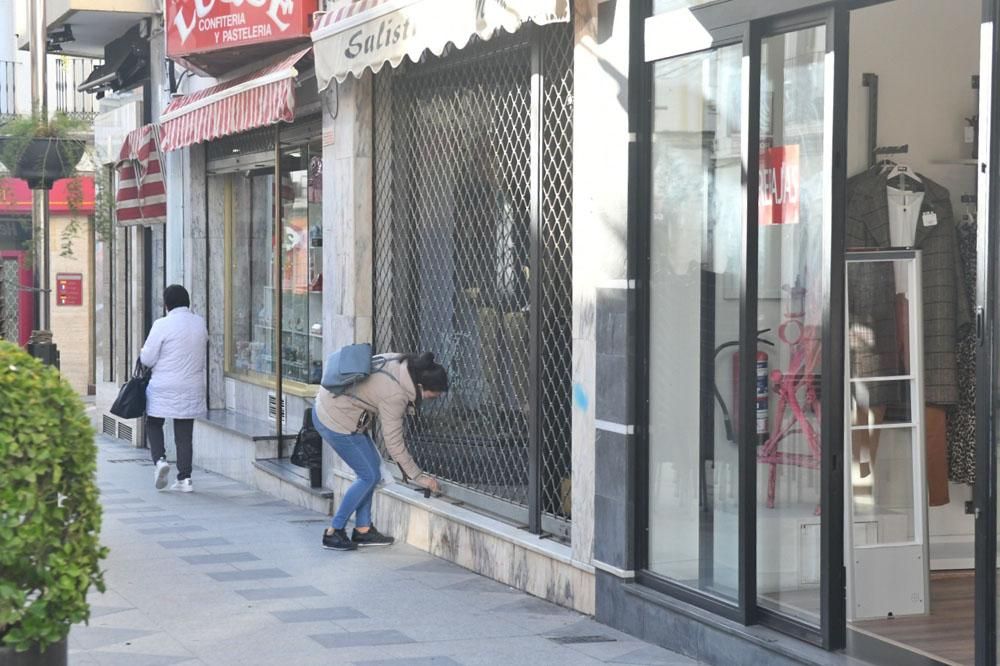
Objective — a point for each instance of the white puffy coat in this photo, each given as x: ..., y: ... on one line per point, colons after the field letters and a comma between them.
x: 175, y: 350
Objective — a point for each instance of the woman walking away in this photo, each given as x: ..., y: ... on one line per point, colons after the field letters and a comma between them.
x: 343, y: 421
x: 175, y: 351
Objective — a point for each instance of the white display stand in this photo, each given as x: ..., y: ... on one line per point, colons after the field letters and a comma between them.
x: 886, y: 536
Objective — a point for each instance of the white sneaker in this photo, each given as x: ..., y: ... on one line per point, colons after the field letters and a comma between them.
x: 161, y: 473
x: 184, y: 486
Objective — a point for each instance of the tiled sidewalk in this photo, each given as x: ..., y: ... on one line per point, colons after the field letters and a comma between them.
x: 228, y: 575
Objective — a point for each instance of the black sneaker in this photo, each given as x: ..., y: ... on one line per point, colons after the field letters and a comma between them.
x: 371, y: 538
x: 338, y: 541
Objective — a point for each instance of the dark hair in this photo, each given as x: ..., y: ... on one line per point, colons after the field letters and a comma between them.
x: 426, y: 372
x: 176, y: 296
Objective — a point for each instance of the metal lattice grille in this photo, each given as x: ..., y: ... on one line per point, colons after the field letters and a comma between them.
x: 556, y: 298
x: 455, y: 262
x: 10, y: 292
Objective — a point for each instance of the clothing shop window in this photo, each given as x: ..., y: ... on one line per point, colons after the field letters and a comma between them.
x: 249, y: 201
x: 695, y: 251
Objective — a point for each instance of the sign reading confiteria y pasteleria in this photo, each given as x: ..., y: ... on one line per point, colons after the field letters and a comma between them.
x: 201, y: 26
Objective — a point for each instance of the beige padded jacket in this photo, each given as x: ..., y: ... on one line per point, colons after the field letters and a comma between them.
x: 387, y: 394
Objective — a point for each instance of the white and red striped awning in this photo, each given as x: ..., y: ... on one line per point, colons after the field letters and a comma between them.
x: 366, y: 34
x: 261, y: 98
x: 141, y: 196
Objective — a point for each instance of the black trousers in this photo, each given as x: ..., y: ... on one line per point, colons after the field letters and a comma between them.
x: 183, y: 434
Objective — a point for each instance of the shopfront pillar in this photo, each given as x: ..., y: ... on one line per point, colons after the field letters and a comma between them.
x: 601, y: 287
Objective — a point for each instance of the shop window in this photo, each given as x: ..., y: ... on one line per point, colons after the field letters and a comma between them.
x: 695, y: 254
x: 249, y: 199
x: 790, y: 310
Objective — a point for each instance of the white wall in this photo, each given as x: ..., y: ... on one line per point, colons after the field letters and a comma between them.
x: 7, y: 30
x: 925, y: 53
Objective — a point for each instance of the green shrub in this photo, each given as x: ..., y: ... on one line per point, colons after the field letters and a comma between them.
x: 50, y: 514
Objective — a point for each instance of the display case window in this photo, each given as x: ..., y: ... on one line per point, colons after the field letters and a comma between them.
x: 251, y: 343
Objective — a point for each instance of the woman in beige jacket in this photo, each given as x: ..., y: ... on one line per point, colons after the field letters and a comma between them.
x: 344, y: 420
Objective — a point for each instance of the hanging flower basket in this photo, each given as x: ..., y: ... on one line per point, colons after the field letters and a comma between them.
x: 42, y: 160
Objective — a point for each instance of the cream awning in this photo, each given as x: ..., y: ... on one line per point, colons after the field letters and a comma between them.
x: 366, y: 34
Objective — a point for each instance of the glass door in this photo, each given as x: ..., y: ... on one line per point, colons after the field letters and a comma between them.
x: 799, y: 298
x: 695, y: 259
x: 742, y: 506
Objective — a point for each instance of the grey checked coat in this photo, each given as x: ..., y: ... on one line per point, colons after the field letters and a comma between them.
x: 871, y: 296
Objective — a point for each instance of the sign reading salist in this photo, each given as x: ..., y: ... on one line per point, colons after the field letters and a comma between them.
x: 201, y: 26
x: 354, y: 36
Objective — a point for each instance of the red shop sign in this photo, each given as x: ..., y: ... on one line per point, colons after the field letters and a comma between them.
x: 201, y: 26
x: 779, y: 185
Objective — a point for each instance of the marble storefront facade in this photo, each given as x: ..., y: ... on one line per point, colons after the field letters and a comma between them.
x: 195, y: 255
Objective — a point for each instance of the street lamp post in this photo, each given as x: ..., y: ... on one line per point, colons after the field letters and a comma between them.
x: 41, y: 344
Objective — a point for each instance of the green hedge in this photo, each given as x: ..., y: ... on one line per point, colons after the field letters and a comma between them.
x: 50, y: 514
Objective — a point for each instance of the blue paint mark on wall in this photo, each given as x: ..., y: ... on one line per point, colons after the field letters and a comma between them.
x: 580, y: 398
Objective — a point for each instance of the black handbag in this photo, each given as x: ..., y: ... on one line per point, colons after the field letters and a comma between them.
x: 308, y: 451
x: 131, y: 400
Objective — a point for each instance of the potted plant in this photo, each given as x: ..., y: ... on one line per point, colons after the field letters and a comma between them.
x: 50, y: 515
x: 41, y: 150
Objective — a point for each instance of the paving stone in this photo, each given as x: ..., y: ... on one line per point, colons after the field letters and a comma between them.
x: 250, y: 574
x: 221, y: 558
x: 196, y: 543
x: 319, y: 614
x: 131, y: 509
x: 395, y: 606
x: 532, y: 606
x: 405, y: 661
x: 436, y: 566
x: 654, y: 656
x: 135, y: 659
x: 263, y: 593
x: 172, y: 529
x: 362, y: 638
x: 481, y: 585
x: 101, y: 611
x: 158, y: 518
x: 98, y: 637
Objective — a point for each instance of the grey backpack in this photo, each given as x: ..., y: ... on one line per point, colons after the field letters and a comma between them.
x: 348, y: 366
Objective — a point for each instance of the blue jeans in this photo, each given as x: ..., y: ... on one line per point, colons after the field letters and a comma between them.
x: 359, y: 452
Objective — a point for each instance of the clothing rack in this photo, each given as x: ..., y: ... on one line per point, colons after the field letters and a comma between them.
x: 888, y: 150
x: 870, y: 80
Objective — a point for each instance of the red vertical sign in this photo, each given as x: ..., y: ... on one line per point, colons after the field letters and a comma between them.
x: 69, y: 289
x: 779, y: 185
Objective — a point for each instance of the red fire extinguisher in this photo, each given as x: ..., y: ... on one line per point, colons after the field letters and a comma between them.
x: 762, y: 393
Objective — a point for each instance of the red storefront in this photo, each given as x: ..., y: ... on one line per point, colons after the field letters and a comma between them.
x: 16, y: 300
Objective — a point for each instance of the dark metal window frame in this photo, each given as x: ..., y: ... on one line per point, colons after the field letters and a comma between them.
x: 987, y: 326
x: 749, y: 23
